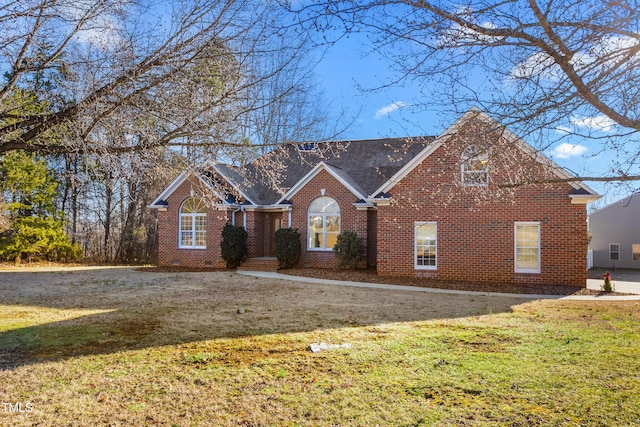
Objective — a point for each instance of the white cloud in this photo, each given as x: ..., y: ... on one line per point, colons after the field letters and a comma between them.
x: 388, y: 109
x: 601, y: 123
x: 103, y: 32
x: 600, y: 56
x: 566, y: 150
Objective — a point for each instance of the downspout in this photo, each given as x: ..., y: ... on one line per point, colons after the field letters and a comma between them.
x: 244, y: 217
x: 289, y: 212
x: 233, y: 216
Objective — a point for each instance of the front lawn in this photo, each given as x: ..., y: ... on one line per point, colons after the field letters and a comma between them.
x: 128, y: 347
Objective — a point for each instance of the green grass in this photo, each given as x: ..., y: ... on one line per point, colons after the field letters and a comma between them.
x: 543, y: 363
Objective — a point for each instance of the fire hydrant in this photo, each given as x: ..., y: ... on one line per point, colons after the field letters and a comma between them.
x: 607, y: 286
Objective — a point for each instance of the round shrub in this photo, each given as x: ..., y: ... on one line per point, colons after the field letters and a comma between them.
x: 288, y: 247
x: 349, y: 250
x: 234, y: 245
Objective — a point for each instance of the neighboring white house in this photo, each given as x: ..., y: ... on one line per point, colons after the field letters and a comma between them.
x: 615, y: 234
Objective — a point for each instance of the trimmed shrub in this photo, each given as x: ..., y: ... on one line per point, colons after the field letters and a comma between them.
x: 288, y: 247
x: 349, y: 250
x: 234, y: 245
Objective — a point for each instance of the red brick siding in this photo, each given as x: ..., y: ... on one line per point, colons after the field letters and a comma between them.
x: 476, y: 224
x: 351, y: 218
x: 255, y: 232
x: 168, y: 227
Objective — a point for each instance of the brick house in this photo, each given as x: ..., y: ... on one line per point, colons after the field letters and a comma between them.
x: 448, y: 207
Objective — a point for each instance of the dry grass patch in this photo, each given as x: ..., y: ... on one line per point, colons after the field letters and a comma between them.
x: 125, y: 347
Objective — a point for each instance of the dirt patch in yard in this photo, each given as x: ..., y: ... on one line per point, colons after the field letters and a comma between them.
x: 370, y: 276
x: 63, y: 312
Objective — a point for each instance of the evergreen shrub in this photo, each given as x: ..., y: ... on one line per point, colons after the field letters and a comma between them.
x: 288, y: 247
x: 234, y: 245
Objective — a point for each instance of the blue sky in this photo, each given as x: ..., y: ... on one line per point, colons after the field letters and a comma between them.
x: 347, y: 68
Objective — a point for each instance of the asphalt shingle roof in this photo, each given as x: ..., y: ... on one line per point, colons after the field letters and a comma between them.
x: 364, y: 164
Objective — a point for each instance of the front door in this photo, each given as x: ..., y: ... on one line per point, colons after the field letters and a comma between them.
x: 275, y: 226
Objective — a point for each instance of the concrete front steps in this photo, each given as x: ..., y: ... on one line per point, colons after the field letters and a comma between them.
x: 260, y: 264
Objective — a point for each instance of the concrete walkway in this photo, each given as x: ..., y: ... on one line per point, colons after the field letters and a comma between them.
x: 624, y: 287
x: 631, y: 287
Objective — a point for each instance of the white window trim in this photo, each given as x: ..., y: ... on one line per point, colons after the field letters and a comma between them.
x: 618, y: 252
x: 515, y: 248
x: 324, y: 226
x: 415, y: 246
x: 193, y: 217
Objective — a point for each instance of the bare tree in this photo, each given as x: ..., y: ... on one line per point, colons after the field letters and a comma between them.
x: 566, y: 67
x: 160, y: 73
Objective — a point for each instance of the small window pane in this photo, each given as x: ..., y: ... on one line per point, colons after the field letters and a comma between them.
x: 635, y: 251
x: 186, y: 223
x: 333, y: 224
x: 332, y: 239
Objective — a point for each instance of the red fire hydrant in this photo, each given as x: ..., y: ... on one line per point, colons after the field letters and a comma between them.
x: 607, y: 286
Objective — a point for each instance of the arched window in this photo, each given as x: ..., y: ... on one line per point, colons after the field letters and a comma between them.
x: 193, y: 224
x: 475, y: 166
x: 324, y: 224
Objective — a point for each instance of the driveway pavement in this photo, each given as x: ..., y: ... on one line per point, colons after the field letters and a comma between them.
x: 624, y: 280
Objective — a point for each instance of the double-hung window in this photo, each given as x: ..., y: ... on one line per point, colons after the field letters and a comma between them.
x: 527, y: 247
x: 426, y: 245
x: 324, y: 224
x: 193, y: 224
x: 614, y: 251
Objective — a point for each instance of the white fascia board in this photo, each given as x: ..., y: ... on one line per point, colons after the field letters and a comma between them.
x: 168, y: 191
x: 312, y: 174
x: 583, y: 199
x: 413, y: 163
x: 233, y: 185
x: 266, y: 208
x: 363, y: 206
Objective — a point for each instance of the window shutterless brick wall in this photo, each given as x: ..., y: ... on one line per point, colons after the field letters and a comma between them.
x: 476, y: 224
x: 168, y: 223
x: 351, y: 219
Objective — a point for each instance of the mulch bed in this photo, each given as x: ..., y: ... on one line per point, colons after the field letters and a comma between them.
x: 511, y: 288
